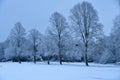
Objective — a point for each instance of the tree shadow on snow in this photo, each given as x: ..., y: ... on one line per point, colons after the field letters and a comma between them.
x: 80, y: 65
x: 90, y: 65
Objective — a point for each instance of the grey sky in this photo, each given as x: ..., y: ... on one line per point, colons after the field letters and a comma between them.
x: 36, y: 13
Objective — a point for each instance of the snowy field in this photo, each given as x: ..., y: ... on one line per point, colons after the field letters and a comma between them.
x: 67, y: 71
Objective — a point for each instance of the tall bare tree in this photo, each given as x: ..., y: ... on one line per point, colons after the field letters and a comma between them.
x: 17, y: 37
x: 35, y: 38
x: 85, y: 21
x: 58, y: 30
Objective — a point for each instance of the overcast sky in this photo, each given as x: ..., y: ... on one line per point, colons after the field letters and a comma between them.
x: 36, y: 13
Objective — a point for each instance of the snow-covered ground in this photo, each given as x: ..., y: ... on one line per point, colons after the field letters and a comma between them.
x: 67, y: 71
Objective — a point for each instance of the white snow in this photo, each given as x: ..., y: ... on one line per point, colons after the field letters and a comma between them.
x: 67, y: 71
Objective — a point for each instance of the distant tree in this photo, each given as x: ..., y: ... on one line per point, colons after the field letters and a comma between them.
x: 98, y: 48
x: 115, y: 40
x: 35, y: 38
x: 85, y: 21
x: 2, y: 51
x: 112, y: 48
x: 57, y: 31
x: 50, y: 48
x: 17, y: 37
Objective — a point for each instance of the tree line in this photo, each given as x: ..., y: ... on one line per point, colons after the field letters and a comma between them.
x: 81, y: 38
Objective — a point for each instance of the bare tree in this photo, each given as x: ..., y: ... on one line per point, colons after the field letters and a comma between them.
x: 2, y: 51
x: 85, y: 21
x: 35, y: 38
x: 115, y: 40
x: 49, y: 48
x: 17, y: 37
x: 57, y: 31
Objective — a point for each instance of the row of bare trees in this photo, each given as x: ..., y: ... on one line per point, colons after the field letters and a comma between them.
x: 84, y: 26
x: 82, y: 37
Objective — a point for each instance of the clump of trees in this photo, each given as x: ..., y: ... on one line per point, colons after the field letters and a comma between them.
x: 80, y: 40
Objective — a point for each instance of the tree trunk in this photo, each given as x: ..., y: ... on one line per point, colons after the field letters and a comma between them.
x: 61, y: 62
x: 34, y: 53
x: 48, y: 60
x: 19, y: 60
x: 85, y: 55
x: 60, y: 57
x: 59, y: 46
x: 34, y: 58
